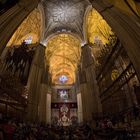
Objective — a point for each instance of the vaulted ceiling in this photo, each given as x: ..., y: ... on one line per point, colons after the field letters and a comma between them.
x: 30, y: 27
x: 63, y: 56
x: 67, y: 24
x: 65, y: 16
x: 97, y: 28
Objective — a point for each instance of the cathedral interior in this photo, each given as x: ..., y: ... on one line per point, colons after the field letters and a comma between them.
x: 71, y: 63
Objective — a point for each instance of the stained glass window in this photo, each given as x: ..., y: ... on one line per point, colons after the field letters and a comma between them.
x: 29, y: 40
x: 63, y: 79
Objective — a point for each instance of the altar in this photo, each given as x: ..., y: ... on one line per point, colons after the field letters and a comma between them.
x: 64, y: 114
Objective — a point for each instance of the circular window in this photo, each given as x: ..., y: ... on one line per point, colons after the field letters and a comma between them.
x: 63, y: 79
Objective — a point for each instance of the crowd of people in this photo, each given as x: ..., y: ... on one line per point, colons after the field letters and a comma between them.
x: 105, y: 123
x: 11, y: 129
x: 106, y: 129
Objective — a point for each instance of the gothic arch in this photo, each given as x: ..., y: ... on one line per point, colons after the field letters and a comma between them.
x: 65, y: 48
x: 46, y: 40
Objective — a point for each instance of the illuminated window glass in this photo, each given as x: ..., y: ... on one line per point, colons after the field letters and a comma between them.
x: 63, y: 94
x: 63, y: 79
x: 29, y: 40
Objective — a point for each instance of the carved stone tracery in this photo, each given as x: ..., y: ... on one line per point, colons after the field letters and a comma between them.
x: 64, y: 16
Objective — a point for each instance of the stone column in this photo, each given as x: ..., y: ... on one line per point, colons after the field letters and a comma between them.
x: 80, y: 110
x: 83, y: 90
x: 34, y: 83
x: 79, y: 97
x: 127, y: 29
x: 4, y: 54
x: 11, y: 19
x: 3, y: 58
x: 48, y: 108
x: 42, y: 103
x: 89, y: 88
x: 43, y: 96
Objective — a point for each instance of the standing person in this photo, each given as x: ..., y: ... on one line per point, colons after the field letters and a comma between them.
x: 109, y: 124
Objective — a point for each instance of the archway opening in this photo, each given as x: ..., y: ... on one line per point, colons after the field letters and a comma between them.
x: 63, y: 53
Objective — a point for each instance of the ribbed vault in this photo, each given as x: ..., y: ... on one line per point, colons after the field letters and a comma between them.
x: 64, y: 16
x: 97, y: 28
x: 63, y: 55
x: 29, y: 29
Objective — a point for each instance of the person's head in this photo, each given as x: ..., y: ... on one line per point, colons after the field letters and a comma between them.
x: 9, y: 122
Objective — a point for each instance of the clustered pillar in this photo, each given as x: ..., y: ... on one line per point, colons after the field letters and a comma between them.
x: 34, y: 83
x: 45, y: 98
x: 88, y: 85
x: 42, y: 103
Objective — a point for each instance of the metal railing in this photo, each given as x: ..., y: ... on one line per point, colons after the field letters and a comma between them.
x: 123, y: 78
